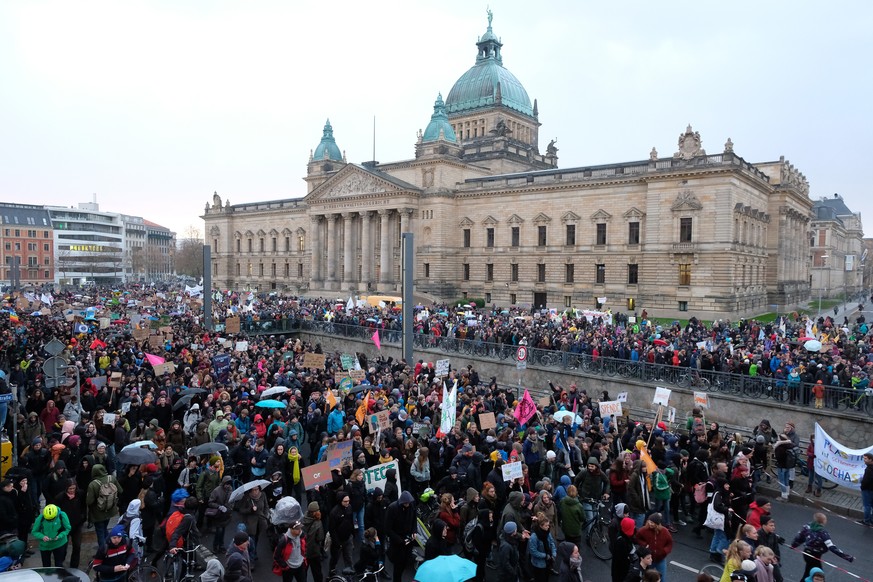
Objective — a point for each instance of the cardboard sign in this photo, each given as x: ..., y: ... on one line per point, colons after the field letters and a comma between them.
x: 442, y: 368
x: 340, y: 454
x: 545, y: 401
x: 347, y: 361
x: 610, y: 408
x: 315, y: 475
x: 378, y: 476
x: 380, y: 420
x: 231, y: 324
x: 311, y: 360
x: 115, y: 380
x: 155, y: 341
x: 512, y: 471
x: 662, y: 396
x: 168, y: 337
x: 338, y: 377
x: 487, y: 421
x: 99, y: 382
x: 357, y: 375
x: 165, y: 368
x: 701, y: 399
x: 140, y: 334
x: 241, y: 346
x: 622, y: 397
x: 104, y: 322
x: 109, y: 419
x: 165, y: 329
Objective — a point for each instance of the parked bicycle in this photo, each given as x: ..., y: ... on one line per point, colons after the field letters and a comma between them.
x: 598, y: 529
x: 363, y: 577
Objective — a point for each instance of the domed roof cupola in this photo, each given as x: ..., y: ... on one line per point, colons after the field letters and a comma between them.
x: 327, y: 148
x: 488, y: 83
x: 439, y: 126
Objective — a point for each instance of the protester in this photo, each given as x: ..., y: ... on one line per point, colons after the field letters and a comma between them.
x: 817, y: 541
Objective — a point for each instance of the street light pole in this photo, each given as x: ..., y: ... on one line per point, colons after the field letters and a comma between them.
x: 824, y: 260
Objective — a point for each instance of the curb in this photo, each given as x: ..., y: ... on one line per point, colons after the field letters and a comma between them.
x: 816, y: 503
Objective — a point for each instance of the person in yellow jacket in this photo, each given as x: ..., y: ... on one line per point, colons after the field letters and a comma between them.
x: 52, y: 530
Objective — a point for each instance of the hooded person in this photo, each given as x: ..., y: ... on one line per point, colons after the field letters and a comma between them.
x: 113, y: 560
x: 400, y: 526
x: 374, y: 513
x: 815, y: 575
x: 569, y: 563
x: 341, y: 527
x: 391, y: 492
x: 218, y: 512
x: 623, y: 549
x: 437, y: 544
x: 313, y: 529
x: 102, y: 501
x: 214, y: 571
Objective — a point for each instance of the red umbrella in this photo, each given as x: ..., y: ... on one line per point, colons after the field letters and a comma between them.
x: 806, y: 338
x: 660, y: 342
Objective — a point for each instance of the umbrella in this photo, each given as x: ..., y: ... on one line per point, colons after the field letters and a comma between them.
x: 276, y: 390
x: 452, y: 568
x: 659, y: 342
x: 805, y: 338
x: 360, y: 388
x: 138, y: 444
x: 207, y: 449
x: 135, y: 456
x: 240, y: 491
x: 559, y: 416
x: 270, y: 404
x: 812, y: 345
x: 183, y: 402
x: 192, y: 391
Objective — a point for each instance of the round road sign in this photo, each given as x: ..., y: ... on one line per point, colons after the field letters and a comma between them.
x: 521, y: 355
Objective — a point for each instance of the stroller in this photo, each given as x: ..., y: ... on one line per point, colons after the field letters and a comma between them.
x: 286, y: 512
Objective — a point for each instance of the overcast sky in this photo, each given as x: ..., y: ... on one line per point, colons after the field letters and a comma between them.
x: 153, y: 105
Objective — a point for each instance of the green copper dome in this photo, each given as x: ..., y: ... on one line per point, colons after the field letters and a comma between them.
x: 327, y: 148
x: 439, y: 121
x: 488, y: 83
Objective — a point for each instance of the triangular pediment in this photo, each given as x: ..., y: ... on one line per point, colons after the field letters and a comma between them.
x: 355, y: 181
x: 541, y: 219
x: 490, y: 220
x: 686, y: 201
x: 570, y: 216
x: 286, y: 231
x: 465, y: 223
x: 515, y: 219
x: 214, y: 231
x: 249, y: 234
x: 261, y: 232
x: 633, y: 213
x: 601, y: 215
x: 274, y: 232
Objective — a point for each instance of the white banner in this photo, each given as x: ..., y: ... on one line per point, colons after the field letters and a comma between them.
x: 838, y: 463
x: 701, y: 399
x: 662, y: 396
x: 609, y: 408
x: 450, y: 408
x: 512, y: 471
x: 376, y: 476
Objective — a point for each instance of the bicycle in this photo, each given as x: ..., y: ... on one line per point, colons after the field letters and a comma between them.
x: 714, y: 571
x: 598, y: 532
x: 800, y: 469
x: 362, y: 577
x: 693, y: 378
x: 858, y: 404
x: 181, y: 565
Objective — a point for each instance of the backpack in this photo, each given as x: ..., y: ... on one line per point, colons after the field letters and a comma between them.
x: 279, y: 562
x: 469, y: 546
x: 107, y: 496
x: 661, y: 482
x: 791, y: 458
x: 700, y: 492
x: 170, y: 525
x: 697, y: 427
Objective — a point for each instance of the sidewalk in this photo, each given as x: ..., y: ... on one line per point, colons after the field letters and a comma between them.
x: 840, y: 500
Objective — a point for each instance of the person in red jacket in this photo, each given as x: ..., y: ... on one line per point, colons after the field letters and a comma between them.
x: 758, y: 508
x: 658, y: 540
x: 289, y: 557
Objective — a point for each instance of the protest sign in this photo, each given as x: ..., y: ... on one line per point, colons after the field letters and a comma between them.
x: 115, y: 380
x: 140, y: 334
x: 165, y: 368
x: 231, y: 324
x: 312, y: 360
x: 340, y: 454
x: 545, y: 401
x: 108, y: 419
x: 487, y: 420
x: 609, y: 408
x: 380, y: 420
x: 442, y: 368
x: 347, y: 361
x: 338, y: 377
x: 622, y: 397
x: 512, y: 471
x: 671, y: 415
x: 104, y: 322
x: 662, y: 396
x: 346, y: 384
x: 241, y: 346
x: 378, y: 476
x: 165, y: 329
x: 155, y: 341
x: 357, y: 375
x: 449, y: 408
x: 98, y: 382
x: 838, y: 463
x: 125, y: 407
x: 315, y: 475
x: 701, y: 399
x: 417, y: 427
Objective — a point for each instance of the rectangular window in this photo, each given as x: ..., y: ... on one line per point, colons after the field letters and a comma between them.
x: 601, y: 233
x: 633, y: 233
x: 45, y: 234
x: 287, y: 244
x: 31, y: 233
x: 18, y: 246
x: 466, y: 271
x: 632, y: 274
x: 569, y: 273
x: 299, y: 270
x: 685, y: 230
x: 17, y: 232
x: 238, y: 245
x: 541, y: 236
x: 287, y: 270
x: 489, y: 272
x: 260, y: 269
x: 600, y: 274
x: 31, y: 262
x: 512, y: 298
x: 488, y: 298
x: 541, y: 273
x: 251, y: 248
x: 31, y: 246
x: 273, y: 270
x: 571, y: 235
x: 238, y: 269
x: 45, y: 261
x: 568, y: 301
x: 427, y: 270
x: 516, y: 236
x: 275, y: 244
x: 45, y: 247
x: 45, y: 274
x: 683, y: 306
x: 489, y: 237
x: 466, y: 238
x: 685, y: 274
x: 8, y: 246
x: 261, y: 245
x: 513, y: 272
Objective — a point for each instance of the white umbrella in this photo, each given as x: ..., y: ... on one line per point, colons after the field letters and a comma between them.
x: 240, y: 491
x: 561, y: 414
x: 812, y: 345
x: 148, y: 444
x: 277, y: 390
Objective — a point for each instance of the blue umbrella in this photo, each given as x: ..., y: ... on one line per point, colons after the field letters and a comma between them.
x: 446, y: 569
x: 270, y: 404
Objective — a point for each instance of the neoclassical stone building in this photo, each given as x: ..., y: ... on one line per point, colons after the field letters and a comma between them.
x: 687, y: 233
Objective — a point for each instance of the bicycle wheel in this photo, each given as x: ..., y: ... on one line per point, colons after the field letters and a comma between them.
x: 598, y: 539
x: 714, y: 571
x: 144, y: 574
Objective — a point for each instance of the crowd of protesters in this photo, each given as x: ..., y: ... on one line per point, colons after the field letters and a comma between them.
x: 656, y: 478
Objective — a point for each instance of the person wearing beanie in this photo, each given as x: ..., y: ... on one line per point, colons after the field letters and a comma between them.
x: 591, y: 483
x: 508, y: 555
x: 758, y: 509
x: 113, y: 560
x: 569, y: 562
x: 623, y: 549
x: 341, y: 527
x: 313, y: 529
x: 238, y: 568
x: 218, y: 513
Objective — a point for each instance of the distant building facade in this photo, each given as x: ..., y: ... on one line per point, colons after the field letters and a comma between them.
x: 707, y: 234
x: 26, y: 239
x: 837, y: 248
x: 160, y: 252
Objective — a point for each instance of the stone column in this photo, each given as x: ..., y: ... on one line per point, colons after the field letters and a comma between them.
x: 366, y: 247
x: 385, y: 254
x: 348, y: 248
x: 316, y: 248
x: 331, y: 243
x: 405, y: 216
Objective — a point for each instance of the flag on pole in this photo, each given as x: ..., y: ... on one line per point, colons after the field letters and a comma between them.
x: 525, y: 409
x: 376, y: 340
x: 97, y: 345
x: 331, y: 399
x: 449, y: 408
x: 361, y: 413
x: 153, y: 359
x: 80, y: 328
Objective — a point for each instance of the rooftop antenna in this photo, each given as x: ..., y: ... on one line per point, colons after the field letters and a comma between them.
x: 374, y: 140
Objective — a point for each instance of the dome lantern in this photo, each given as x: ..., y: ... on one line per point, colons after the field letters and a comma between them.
x: 327, y: 148
x: 439, y: 126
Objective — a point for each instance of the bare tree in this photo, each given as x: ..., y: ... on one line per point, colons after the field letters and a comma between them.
x: 189, y: 254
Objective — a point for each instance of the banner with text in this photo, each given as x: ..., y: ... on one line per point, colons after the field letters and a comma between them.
x: 838, y: 463
x: 376, y: 476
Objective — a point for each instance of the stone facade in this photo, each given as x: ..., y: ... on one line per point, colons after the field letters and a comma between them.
x: 710, y: 235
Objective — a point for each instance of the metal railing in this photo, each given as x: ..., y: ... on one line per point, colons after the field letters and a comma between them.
x: 859, y: 402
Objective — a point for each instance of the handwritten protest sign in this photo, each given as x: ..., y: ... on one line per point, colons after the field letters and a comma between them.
x: 378, y: 476
x: 662, y: 396
x: 442, y: 368
x: 140, y: 334
x: 380, y: 420
x: 610, y: 408
x: 312, y: 360
x: 487, y: 421
x: 340, y: 454
x: 315, y: 475
x: 241, y: 346
x: 701, y: 399
x: 357, y: 375
x: 622, y: 397
x: 418, y: 427
x: 231, y: 324
x: 545, y: 401
x: 115, y: 380
x: 108, y: 419
x: 347, y: 361
x: 512, y: 471
x: 165, y: 368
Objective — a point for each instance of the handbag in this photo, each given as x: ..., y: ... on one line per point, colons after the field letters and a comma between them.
x: 714, y: 519
x: 211, y: 512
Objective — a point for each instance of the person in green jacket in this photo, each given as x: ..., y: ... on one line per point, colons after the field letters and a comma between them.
x: 52, y: 530
x: 572, y: 516
x: 662, y: 492
x: 102, y: 508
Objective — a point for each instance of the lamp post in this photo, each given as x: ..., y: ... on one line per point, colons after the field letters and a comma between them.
x: 824, y: 260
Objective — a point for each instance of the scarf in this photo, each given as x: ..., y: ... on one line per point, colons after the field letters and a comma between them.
x: 295, y: 471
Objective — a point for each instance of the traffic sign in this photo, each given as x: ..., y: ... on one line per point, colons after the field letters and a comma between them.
x: 521, y: 354
x: 54, y: 367
x: 54, y: 347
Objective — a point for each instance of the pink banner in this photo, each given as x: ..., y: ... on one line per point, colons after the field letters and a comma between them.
x: 155, y: 360
x: 525, y: 409
x: 376, y: 340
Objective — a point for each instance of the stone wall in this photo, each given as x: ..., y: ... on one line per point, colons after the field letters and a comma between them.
x: 729, y: 410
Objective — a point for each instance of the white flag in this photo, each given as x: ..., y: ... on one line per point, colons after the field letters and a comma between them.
x: 449, y: 408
